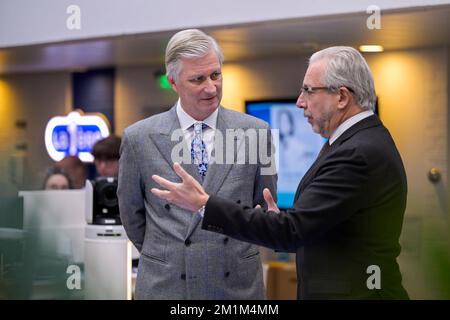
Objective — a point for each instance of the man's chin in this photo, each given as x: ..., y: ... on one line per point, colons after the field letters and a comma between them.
x: 212, y: 103
x: 316, y: 129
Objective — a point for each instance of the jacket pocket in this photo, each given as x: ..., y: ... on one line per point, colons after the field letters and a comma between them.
x: 250, y: 255
x: 154, y: 258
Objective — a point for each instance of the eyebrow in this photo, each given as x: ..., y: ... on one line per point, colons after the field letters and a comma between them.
x: 215, y: 70
x: 198, y: 75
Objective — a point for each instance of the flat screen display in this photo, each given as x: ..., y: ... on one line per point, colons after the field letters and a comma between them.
x: 297, y: 145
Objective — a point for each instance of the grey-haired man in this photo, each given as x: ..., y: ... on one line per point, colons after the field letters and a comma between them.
x: 179, y: 260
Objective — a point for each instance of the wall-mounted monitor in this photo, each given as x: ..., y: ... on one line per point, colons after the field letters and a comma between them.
x: 298, y: 146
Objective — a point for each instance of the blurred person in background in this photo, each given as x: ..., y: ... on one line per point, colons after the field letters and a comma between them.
x: 106, y: 154
x: 76, y: 170
x: 57, y: 179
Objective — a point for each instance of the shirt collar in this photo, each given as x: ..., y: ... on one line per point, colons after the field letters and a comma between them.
x: 186, y: 121
x: 344, y: 126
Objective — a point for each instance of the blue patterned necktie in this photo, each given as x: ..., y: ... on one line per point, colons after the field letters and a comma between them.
x: 199, y: 155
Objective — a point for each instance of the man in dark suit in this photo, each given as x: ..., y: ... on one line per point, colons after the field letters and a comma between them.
x: 348, y: 212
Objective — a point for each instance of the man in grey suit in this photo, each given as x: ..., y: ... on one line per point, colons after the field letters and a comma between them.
x: 178, y: 259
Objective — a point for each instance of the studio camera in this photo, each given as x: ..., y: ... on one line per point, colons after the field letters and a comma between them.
x: 106, y: 204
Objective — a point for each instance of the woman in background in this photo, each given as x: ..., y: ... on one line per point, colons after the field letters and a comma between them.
x: 57, y: 179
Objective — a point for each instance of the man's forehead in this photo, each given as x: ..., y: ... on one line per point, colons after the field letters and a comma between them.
x: 314, y: 72
x: 199, y: 68
x: 208, y: 61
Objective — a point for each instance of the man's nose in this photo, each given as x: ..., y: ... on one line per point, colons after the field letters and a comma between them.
x: 210, y: 86
x: 301, y: 103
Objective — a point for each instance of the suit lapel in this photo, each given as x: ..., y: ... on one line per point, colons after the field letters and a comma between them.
x: 217, y: 172
x: 165, y: 145
x: 307, y: 177
x: 368, y: 122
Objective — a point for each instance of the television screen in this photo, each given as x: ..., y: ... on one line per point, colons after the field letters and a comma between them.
x: 297, y: 145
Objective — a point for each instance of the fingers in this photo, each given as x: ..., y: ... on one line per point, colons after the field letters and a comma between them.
x: 180, y: 171
x: 163, y: 182
x: 163, y: 194
x: 271, y: 204
x: 268, y: 197
x: 257, y: 206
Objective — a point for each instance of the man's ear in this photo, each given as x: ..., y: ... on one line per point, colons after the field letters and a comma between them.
x: 172, y: 83
x: 345, y: 98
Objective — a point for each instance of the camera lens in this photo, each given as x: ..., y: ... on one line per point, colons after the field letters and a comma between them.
x: 109, y: 195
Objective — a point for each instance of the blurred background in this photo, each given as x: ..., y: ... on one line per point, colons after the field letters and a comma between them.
x: 106, y: 59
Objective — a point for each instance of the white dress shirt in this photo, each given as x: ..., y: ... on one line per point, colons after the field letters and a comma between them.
x: 187, y: 122
x: 344, y: 126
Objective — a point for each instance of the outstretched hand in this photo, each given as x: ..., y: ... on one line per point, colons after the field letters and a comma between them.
x: 188, y: 194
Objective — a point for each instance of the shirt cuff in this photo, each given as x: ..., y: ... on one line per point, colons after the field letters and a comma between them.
x: 201, y: 211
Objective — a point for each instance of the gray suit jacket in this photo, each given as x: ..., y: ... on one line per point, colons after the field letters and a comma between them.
x: 178, y: 259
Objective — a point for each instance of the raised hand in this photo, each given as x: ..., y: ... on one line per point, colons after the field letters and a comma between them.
x: 188, y: 194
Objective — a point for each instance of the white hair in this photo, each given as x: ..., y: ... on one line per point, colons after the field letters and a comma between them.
x: 346, y: 67
x: 190, y: 43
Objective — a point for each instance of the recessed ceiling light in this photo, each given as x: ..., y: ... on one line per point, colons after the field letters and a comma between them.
x: 371, y: 48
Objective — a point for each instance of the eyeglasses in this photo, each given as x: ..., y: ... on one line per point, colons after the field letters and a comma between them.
x: 306, y: 91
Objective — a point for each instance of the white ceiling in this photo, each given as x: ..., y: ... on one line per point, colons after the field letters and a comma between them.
x: 399, y: 30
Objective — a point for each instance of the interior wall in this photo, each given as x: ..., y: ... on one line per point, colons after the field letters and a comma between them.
x: 138, y: 95
x: 412, y: 87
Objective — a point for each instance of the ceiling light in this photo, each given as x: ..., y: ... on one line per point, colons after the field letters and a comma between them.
x: 371, y: 48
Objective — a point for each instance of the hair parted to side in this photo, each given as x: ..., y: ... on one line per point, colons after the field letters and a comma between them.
x: 346, y: 67
x: 188, y: 44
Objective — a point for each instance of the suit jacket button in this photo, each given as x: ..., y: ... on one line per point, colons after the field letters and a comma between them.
x: 238, y: 202
x: 187, y: 242
x: 167, y: 206
x: 225, y: 241
x: 227, y: 274
x: 183, y: 276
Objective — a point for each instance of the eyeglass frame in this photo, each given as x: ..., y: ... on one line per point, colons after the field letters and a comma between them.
x: 306, y: 91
